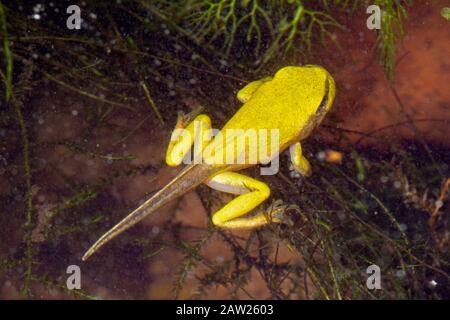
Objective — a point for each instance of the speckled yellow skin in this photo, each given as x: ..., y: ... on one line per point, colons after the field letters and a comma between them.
x: 294, y: 102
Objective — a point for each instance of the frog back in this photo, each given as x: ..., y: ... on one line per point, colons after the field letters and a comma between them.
x: 282, y: 109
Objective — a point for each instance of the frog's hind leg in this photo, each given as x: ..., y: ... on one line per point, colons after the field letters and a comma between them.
x: 246, y: 92
x: 251, y: 193
x: 197, y: 132
x: 299, y: 162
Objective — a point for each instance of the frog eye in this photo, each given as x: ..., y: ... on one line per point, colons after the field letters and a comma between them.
x: 323, y: 104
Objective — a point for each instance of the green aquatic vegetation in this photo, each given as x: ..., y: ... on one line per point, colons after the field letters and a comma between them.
x: 6, y: 76
x: 251, y: 29
x: 253, y: 32
x: 393, y: 13
x: 445, y: 13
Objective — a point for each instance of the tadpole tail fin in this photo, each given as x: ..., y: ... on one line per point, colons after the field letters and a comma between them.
x: 187, y: 179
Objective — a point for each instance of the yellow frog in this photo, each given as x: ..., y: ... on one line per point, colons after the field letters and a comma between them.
x: 291, y: 104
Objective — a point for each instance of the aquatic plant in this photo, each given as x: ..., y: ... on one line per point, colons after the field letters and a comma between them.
x: 253, y: 32
x: 391, y: 32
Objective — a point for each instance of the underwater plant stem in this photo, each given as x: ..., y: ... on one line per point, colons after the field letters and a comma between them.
x: 7, y: 54
x: 16, y: 105
x: 151, y: 102
x: 332, y: 272
x: 316, y: 281
x: 87, y: 94
x: 119, y: 50
x: 28, y: 198
x: 375, y: 229
x: 388, y: 213
x: 415, y: 130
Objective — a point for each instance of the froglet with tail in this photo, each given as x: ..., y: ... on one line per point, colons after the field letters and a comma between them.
x: 290, y: 104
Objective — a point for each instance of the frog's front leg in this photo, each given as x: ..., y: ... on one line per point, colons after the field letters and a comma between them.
x: 299, y: 162
x: 185, y: 135
x: 251, y: 193
x: 246, y: 92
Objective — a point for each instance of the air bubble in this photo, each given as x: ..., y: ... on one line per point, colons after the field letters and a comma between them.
x: 400, y: 273
x: 321, y: 156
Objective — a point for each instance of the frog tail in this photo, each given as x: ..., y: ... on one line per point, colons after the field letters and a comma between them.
x: 187, y: 179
